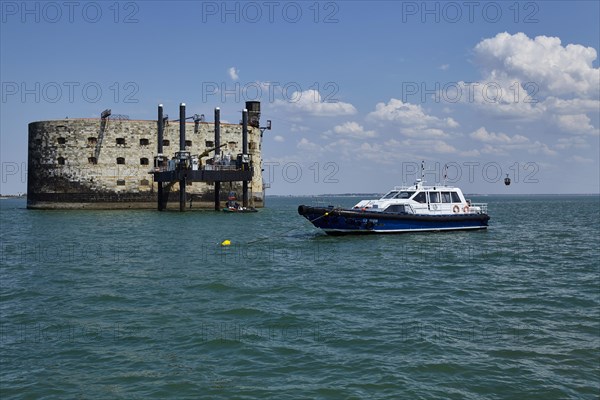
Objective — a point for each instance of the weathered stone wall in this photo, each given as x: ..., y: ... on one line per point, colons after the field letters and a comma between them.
x: 91, y: 163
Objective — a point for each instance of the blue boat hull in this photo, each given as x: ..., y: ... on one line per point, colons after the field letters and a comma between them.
x: 345, y: 221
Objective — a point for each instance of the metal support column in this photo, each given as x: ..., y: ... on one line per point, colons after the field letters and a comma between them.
x: 217, y: 152
x: 159, y: 149
x: 245, y: 153
x: 181, y: 148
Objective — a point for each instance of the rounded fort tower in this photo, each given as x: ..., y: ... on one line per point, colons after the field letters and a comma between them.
x: 107, y: 163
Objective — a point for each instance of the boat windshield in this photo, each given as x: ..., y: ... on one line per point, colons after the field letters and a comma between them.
x: 404, y: 195
x: 390, y: 195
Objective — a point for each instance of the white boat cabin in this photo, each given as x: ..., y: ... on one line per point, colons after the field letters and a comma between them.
x: 420, y: 199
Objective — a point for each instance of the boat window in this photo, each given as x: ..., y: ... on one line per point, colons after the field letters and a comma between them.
x: 446, y: 197
x: 420, y: 197
x: 404, y: 195
x: 455, y: 197
x: 434, y: 197
x: 390, y: 195
x: 395, y: 208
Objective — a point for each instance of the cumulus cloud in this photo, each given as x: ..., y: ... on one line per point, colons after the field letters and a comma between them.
x: 581, y: 160
x: 577, y: 123
x: 411, y: 119
x: 483, y: 135
x: 556, y: 69
x: 310, y: 102
x: 306, y: 145
x: 503, y: 144
x: 572, y: 142
x: 534, y: 79
x: 352, y: 130
x: 233, y: 73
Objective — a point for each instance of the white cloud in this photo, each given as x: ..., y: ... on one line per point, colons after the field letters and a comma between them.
x: 444, y: 67
x: 534, y: 79
x: 554, y: 68
x: 233, y: 73
x: 569, y: 142
x: 311, y: 102
x: 278, y: 138
x: 570, y: 106
x: 577, y: 123
x: 581, y: 160
x: 411, y: 119
x: 306, y: 145
x: 299, y: 128
x: 353, y: 130
x: 503, y: 144
x: 483, y: 135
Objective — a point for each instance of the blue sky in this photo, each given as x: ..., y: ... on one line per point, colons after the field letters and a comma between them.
x: 359, y: 92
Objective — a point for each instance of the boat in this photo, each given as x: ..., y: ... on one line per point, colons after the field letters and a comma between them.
x: 233, y: 206
x: 240, y: 209
x: 416, y: 208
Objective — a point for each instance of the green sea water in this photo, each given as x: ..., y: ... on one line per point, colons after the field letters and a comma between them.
x: 148, y: 305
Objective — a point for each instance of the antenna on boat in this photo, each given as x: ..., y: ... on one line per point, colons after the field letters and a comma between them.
x: 445, y: 173
x: 422, y: 169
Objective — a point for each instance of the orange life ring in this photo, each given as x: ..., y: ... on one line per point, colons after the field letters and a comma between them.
x: 466, y: 208
x: 455, y: 209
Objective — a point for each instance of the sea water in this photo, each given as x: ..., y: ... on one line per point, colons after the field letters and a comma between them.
x: 147, y: 304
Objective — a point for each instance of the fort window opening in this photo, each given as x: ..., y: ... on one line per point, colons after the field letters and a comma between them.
x: 92, y: 141
x: 120, y: 160
x: 144, y: 161
x: 144, y: 142
x: 120, y: 140
x: 61, y: 140
x: 188, y: 143
x: 92, y: 160
x: 144, y: 182
x: 121, y: 182
x: 252, y: 146
x: 166, y: 142
x: 210, y: 143
x: 60, y: 160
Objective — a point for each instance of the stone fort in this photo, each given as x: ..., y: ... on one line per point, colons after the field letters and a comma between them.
x: 108, y: 163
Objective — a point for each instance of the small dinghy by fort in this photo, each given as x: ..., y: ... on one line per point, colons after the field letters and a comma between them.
x: 233, y: 206
x: 415, y: 208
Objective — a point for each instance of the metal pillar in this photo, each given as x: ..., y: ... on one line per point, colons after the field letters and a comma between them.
x: 217, y: 152
x: 182, y: 148
x: 245, y: 152
x: 159, y: 149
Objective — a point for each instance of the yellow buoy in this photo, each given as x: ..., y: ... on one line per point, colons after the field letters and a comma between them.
x: 225, y: 243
